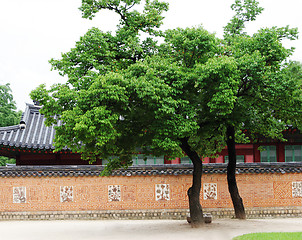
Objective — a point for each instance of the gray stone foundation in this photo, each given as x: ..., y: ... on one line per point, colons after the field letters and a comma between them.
x: 173, y: 214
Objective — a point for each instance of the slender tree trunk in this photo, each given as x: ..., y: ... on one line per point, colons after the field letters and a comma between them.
x: 196, y: 213
x: 231, y: 175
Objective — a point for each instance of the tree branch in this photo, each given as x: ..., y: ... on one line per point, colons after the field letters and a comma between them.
x: 118, y: 11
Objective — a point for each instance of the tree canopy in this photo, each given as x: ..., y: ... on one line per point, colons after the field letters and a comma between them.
x: 126, y: 95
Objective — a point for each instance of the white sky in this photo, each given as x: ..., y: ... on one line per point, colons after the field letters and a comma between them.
x: 34, y: 31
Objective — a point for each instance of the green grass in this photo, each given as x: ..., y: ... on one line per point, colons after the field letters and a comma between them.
x: 271, y: 236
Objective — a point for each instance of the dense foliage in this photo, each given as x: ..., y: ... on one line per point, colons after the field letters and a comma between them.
x: 124, y: 94
x: 127, y: 94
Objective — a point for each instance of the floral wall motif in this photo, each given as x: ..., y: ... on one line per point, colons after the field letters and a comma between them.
x: 114, y: 193
x: 209, y: 191
x: 162, y: 192
x: 297, y: 189
x: 66, y: 194
x: 19, y: 195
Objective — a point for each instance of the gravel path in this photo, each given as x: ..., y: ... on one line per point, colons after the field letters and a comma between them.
x: 220, y: 229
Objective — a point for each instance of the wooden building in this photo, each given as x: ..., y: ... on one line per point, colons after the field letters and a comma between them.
x: 31, y: 143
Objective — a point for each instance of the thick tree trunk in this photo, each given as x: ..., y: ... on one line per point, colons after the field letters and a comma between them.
x: 196, y: 213
x: 231, y: 175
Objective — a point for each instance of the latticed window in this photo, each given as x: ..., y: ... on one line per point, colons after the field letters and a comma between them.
x: 293, y: 153
x: 148, y: 160
x: 239, y: 159
x: 185, y: 160
x: 144, y: 160
x: 268, y: 154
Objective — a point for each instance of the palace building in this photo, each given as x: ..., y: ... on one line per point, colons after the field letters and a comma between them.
x: 31, y: 143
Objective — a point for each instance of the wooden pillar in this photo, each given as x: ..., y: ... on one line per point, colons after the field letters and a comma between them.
x: 18, y: 162
x: 280, y: 152
x: 219, y: 159
x: 58, y: 159
x: 256, y: 153
x: 206, y: 160
x: 175, y: 161
x: 249, y: 158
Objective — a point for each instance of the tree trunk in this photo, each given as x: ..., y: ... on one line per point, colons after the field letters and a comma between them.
x: 196, y: 213
x: 231, y: 175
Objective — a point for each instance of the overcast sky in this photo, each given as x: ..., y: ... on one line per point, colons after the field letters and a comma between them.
x: 34, y: 31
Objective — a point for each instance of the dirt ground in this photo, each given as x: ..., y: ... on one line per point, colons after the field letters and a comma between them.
x: 219, y: 229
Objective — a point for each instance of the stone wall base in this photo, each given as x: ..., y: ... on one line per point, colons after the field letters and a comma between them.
x: 270, y: 212
x: 173, y: 214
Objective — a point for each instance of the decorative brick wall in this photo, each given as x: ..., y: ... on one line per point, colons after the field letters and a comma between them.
x: 158, y: 190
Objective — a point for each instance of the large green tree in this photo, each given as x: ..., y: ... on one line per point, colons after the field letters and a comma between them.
x: 265, y: 99
x: 190, y: 95
x: 125, y: 94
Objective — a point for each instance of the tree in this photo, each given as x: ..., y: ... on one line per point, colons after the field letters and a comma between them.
x: 191, y: 95
x: 265, y: 99
x: 8, y: 114
x: 123, y: 94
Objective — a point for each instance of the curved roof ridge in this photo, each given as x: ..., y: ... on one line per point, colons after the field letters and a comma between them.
x: 10, y: 128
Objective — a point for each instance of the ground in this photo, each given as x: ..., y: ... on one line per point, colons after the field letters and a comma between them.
x: 220, y: 229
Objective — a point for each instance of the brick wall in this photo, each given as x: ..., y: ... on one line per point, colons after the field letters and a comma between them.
x: 154, y: 188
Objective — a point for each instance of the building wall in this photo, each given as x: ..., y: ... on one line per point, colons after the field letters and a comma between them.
x: 20, y: 191
x: 50, y: 158
x: 248, y: 153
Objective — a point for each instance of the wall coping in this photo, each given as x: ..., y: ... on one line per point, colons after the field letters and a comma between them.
x: 147, y: 170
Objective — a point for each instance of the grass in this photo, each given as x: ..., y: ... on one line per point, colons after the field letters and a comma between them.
x: 271, y: 236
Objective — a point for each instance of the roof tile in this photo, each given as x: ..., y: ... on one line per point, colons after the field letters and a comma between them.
x: 35, y: 135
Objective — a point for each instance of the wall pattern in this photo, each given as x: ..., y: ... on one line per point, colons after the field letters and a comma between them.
x: 210, y: 191
x: 66, y: 194
x: 162, y: 192
x: 297, y: 189
x: 19, y: 194
x: 114, y: 193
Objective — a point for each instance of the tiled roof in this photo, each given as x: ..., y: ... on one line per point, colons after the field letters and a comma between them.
x: 35, y: 135
x: 167, y: 169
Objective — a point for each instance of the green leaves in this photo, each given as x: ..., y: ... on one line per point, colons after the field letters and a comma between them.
x: 95, y: 54
x: 246, y: 10
x: 268, y: 42
x: 219, y: 81
x: 148, y: 21
x: 8, y: 114
x: 191, y: 45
